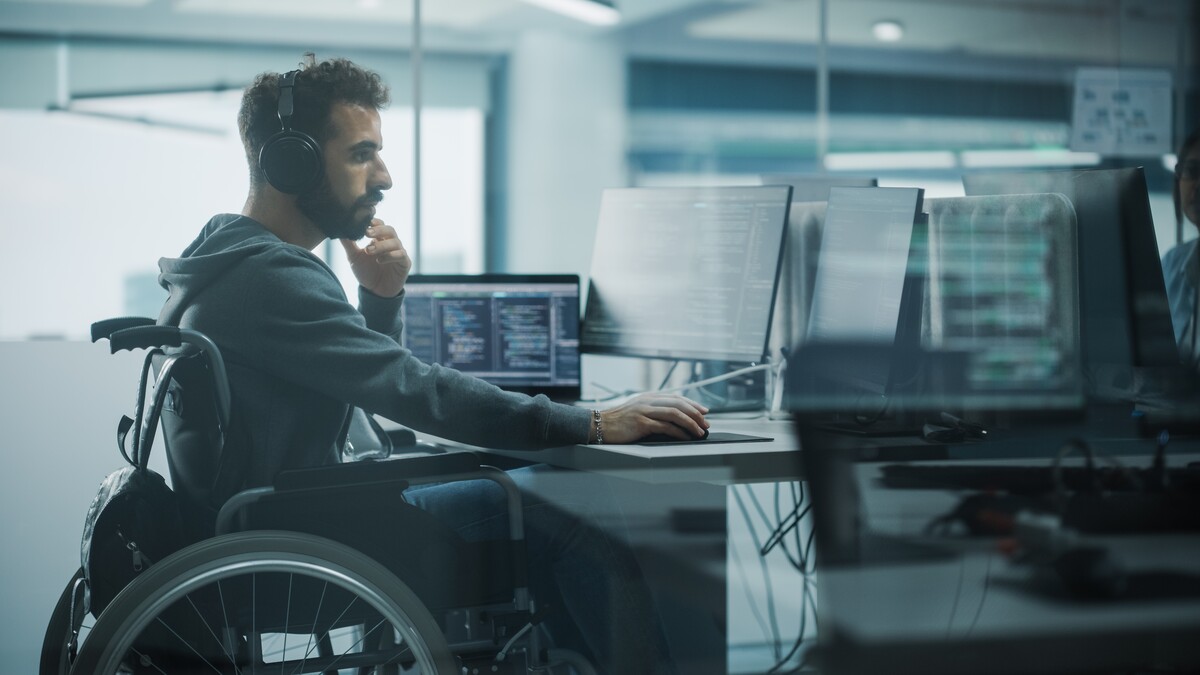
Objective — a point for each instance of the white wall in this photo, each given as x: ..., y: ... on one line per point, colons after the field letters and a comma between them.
x: 38, y: 72
x: 88, y: 201
x: 567, y: 140
x: 566, y: 143
x: 91, y: 204
x: 59, y: 407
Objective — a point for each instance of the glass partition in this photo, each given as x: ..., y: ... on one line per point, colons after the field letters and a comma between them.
x: 117, y: 124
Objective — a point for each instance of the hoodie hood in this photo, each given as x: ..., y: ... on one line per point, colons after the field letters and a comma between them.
x: 227, y: 239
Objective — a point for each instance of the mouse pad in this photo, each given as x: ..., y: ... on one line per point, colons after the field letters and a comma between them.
x: 713, y: 437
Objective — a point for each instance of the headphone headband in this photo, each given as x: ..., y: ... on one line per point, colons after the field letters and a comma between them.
x: 287, y: 84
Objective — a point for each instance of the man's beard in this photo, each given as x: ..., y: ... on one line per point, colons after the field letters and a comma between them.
x: 333, y: 219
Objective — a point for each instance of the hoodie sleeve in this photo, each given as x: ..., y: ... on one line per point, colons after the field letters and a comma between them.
x: 293, y: 321
x: 382, y: 314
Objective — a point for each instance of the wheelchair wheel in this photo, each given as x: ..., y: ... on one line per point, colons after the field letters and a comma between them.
x: 265, y: 601
x: 62, y: 636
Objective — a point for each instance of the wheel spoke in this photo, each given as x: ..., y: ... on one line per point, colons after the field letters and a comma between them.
x: 360, y: 641
x: 287, y: 622
x: 186, y: 644
x: 152, y: 663
x: 225, y: 616
x: 207, y: 626
x: 346, y: 609
x: 256, y: 648
x: 313, y: 645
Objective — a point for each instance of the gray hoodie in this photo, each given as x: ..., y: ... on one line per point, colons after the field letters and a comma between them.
x: 299, y: 354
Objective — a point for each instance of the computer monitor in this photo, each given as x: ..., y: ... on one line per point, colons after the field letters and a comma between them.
x: 997, y: 317
x: 1125, y: 322
x: 806, y: 219
x: 814, y: 187
x: 685, y: 273
x: 863, y: 262
x: 519, y: 332
x: 1003, y: 293
x: 865, y: 295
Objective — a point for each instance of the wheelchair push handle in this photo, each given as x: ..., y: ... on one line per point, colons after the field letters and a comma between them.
x: 144, y: 337
x: 142, y: 333
x: 105, y: 328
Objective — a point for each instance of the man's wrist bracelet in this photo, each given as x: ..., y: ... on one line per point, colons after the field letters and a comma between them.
x: 599, y: 426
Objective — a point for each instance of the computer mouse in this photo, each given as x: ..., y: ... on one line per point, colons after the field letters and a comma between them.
x: 667, y: 438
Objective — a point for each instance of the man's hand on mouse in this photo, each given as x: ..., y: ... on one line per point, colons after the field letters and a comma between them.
x: 652, y: 413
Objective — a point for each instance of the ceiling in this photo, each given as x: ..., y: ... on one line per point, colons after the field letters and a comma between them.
x: 1075, y: 30
x: 1132, y: 32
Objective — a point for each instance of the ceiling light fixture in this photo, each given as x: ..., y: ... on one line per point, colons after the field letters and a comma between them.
x: 595, y: 12
x: 887, y: 30
x: 875, y: 161
x: 1017, y: 158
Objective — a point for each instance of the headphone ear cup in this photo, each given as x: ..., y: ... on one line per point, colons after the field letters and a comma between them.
x: 291, y: 161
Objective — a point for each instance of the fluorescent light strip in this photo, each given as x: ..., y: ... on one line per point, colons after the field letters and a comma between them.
x: 869, y: 161
x: 969, y: 159
x: 978, y: 159
x: 582, y: 10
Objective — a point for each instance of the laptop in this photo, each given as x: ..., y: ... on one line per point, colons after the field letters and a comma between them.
x: 519, y: 332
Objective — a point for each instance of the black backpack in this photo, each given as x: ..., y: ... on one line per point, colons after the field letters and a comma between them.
x: 135, y: 520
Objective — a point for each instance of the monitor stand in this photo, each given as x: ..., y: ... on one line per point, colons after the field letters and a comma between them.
x: 842, y: 536
x: 753, y: 405
x: 880, y: 429
x: 746, y: 393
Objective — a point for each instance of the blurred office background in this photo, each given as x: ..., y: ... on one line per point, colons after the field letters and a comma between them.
x: 118, y: 141
x: 117, y: 117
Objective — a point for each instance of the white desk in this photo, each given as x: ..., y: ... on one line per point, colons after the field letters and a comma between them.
x: 980, y: 612
x: 673, y: 502
x: 899, y: 618
x: 777, y: 459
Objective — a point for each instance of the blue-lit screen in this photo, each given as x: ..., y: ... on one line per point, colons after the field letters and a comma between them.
x: 519, y: 332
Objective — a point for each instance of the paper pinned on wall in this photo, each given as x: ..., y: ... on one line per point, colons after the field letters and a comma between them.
x: 1122, y: 112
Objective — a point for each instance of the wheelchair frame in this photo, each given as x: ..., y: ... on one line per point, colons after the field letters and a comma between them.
x: 466, y: 642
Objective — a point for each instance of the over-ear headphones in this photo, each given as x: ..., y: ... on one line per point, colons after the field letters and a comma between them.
x: 290, y: 159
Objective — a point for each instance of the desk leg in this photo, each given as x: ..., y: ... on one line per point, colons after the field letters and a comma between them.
x: 726, y: 608
x: 678, y: 533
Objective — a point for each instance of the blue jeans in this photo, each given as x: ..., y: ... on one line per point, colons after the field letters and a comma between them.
x: 599, y: 602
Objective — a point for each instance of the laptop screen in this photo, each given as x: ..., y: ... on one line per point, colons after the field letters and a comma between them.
x: 519, y: 332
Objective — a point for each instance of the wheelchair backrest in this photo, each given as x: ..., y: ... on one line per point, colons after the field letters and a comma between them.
x: 205, y: 469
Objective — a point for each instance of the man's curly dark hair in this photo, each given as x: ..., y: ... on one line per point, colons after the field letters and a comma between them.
x: 319, y: 85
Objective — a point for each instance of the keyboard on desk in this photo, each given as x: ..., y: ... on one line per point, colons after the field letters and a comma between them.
x: 1030, y: 480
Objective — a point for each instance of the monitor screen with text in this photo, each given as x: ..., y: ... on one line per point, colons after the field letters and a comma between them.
x: 519, y: 332
x: 686, y: 273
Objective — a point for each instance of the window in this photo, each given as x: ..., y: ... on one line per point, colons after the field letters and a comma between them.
x: 98, y: 195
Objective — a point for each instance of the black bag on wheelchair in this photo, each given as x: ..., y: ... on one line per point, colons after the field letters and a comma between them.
x: 132, y: 523
x: 135, y: 519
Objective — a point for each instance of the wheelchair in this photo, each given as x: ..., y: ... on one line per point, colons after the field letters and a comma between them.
x: 265, y: 584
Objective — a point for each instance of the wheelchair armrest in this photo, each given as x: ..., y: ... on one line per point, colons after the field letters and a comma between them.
x: 448, y: 466
x: 410, y: 469
x: 451, y: 466
x: 402, y: 437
